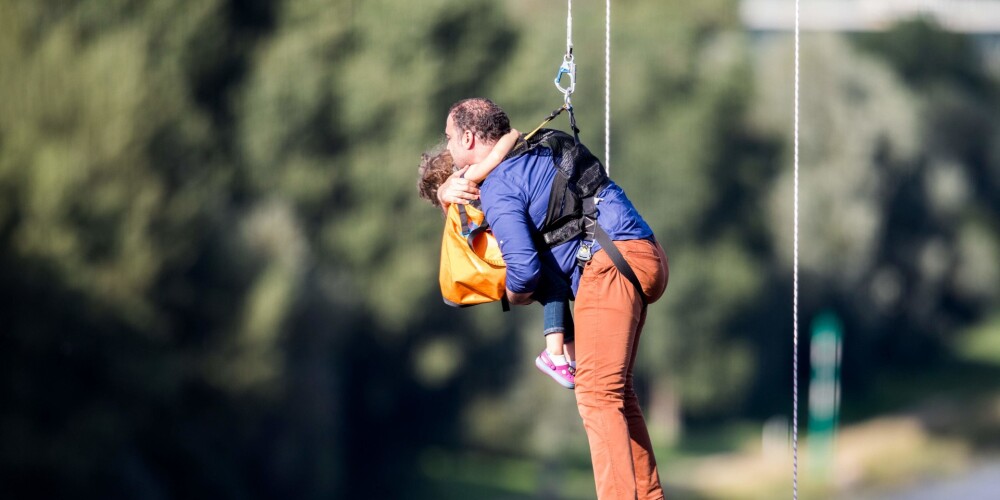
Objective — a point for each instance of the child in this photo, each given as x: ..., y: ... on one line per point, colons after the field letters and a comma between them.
x: 556, y: 360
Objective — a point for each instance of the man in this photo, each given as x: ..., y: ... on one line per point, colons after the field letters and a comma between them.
x: 609, y: 313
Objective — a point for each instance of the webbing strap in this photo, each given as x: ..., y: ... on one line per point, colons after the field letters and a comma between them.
x: 619, y: 260
x: 464, y: 218
x: 572, y: 124
x: 552, y: 116
x: 545, y: 122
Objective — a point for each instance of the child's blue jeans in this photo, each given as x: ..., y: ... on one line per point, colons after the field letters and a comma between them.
x: 558, y: 319
x: 556, y: 303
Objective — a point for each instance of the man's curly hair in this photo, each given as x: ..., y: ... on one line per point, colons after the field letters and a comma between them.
x: 434, y: 170
x: 482, y: 117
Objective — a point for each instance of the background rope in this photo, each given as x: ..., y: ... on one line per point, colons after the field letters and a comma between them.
x: 795, y: 274
x: 607, y: 85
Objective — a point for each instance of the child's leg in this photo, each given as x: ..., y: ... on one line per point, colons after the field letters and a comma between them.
x: 557, y: 315
x: 559, y: 331
x: 569, y: 346
x: 552, y: 361
x: 554, y: 329
x: 554, y: 343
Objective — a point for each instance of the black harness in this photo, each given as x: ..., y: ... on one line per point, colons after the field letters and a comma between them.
x: 572, y: 209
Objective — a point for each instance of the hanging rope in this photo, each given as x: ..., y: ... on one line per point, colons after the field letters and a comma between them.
x: 568, y: 67
x: 795, y: 273
x: 569, y: 27
x: 607, y: 85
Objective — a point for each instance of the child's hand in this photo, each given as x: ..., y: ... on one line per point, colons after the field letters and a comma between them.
x: 457, y: 189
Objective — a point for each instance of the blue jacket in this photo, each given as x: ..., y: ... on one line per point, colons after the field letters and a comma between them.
x: 515, y: 197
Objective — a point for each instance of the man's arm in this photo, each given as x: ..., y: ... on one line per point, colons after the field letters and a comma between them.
x: 519, y: 299
x: 507, y: 214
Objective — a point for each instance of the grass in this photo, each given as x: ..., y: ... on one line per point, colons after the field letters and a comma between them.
x: 910, y: 428
x: 982, y: 343
x: 468, y: 474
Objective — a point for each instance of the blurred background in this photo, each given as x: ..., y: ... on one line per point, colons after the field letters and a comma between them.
x: 217, y: 279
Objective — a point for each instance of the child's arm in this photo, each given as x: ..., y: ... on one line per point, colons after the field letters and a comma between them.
x: 477, y: 172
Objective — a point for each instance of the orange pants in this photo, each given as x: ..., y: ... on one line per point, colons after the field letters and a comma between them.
x: 609, y: 316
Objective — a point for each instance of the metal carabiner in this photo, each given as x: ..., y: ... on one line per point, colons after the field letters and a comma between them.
x: 568, y: 67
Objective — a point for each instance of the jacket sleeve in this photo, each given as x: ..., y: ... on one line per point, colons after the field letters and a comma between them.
x: 506, y: 207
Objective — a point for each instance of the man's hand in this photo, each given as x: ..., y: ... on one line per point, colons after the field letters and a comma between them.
x: 457, y: 190
x: 519, y: 299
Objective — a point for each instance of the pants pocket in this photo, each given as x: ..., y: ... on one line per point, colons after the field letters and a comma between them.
x: 650, y: 266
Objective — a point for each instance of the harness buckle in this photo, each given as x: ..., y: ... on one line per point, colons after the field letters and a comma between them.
x: 584, y: 253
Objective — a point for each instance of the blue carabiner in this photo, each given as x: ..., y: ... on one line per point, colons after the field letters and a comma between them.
x: 568, y: 67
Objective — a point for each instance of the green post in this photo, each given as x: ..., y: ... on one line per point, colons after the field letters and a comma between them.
x: 824, y: 393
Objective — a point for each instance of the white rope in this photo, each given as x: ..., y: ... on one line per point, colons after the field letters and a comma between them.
x: 568, y: 67
x: 795, y: 274
x: 607, y: 85
x: 569, y: 26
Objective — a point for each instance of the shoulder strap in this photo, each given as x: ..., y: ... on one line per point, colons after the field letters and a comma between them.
x: 464, y: 218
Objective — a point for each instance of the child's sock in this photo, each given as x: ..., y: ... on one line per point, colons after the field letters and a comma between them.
x: 557, y: 359
x: 572, y: 364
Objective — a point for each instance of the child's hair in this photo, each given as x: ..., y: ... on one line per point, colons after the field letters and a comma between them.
x: 434, y: 170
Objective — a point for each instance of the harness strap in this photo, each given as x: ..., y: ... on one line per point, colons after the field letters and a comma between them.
x: 464, y: 218
x: 572, y: 124
x: 551, y: 117
x: 620, y: 262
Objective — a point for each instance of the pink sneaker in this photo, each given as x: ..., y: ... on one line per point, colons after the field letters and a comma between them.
x: 560, y: 373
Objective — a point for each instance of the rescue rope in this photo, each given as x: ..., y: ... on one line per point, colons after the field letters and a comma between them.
x: 569, y: 26
x: 607, y: 86
x: 795, y: 272
x: 568, y: 67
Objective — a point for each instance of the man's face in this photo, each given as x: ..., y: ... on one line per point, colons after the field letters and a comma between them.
x: 454, y: 136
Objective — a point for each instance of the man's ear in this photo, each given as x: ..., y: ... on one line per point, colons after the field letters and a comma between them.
x: 468, y: 139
